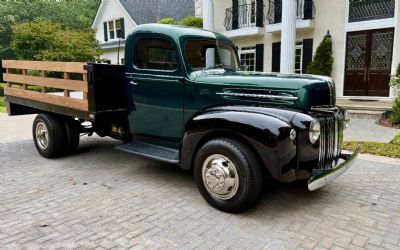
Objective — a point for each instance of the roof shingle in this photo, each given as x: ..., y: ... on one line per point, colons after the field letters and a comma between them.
x: 150, y: 11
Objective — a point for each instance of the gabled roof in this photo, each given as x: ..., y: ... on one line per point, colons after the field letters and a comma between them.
x: 150, y: 11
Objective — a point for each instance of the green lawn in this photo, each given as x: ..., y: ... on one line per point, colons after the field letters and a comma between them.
x: 391, y: 149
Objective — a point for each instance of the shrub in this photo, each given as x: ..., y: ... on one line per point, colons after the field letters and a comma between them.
x: 1, y: 89
x: 323, y: 59
x: 167, y: 21
x: 395, y: 83
x: 396, y: 140
x: 395, y: 117
x: 192, y: 21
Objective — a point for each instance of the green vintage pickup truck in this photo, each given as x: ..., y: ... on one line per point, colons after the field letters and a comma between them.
x: 181, y: 98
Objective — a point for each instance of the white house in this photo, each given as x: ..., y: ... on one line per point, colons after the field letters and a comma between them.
x: 283, y: 35
x: 116, y: 18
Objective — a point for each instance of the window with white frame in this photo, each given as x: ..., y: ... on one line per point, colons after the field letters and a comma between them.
x: 114, y: 29
x: 248, y: 58
x: 299, y: 58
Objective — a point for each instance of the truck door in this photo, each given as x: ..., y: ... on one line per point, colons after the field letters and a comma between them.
x: 157, y: 83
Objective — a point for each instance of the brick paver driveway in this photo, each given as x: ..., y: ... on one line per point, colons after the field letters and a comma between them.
x: 107, y: 199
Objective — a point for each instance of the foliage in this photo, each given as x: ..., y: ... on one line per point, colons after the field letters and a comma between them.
x: 192, y: 21
x: 72, y: 14
x: 45, y: 40
x: 2, y: 107
x: 323, y: 59
x: 395, y: 83
x: 167, y: 21
x: 396, y: 140
x: 395, y: 117
x: 375, y: 148
x: 1, y: 90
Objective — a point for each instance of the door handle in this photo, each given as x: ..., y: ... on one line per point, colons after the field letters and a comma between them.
x: 133, y: 83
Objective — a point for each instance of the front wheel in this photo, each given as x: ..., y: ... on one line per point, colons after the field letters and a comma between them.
x: 228, y: 175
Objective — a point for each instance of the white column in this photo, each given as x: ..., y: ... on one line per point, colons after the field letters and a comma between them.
x: 288, y: 43
x: 208, y: 14
x: 208, y: 24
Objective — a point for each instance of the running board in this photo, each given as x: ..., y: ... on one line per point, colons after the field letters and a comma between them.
x: 152, y: 151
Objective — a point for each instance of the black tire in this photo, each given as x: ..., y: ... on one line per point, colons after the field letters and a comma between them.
x: 247, y: 169
x: 55, y: 135
x: 72, y: 135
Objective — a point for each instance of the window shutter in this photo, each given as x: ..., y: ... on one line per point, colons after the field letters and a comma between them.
x: 122, y: 28
x: 105, y: 32
x: 276, y: 57
x: 259, y: 57
x: 308, y: 9
x: 260, y: 13
x: 278, y: 11
x: 235, y: 14
x: 307, y: 54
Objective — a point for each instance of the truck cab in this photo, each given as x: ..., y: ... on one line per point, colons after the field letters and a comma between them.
x: 183, y: 99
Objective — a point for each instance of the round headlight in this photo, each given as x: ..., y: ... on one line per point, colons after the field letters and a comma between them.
x: 315, y: 131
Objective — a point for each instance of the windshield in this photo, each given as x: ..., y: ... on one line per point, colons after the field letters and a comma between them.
x: 208, y: 54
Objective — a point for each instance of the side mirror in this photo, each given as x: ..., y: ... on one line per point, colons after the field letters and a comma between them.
x: 244, y: 67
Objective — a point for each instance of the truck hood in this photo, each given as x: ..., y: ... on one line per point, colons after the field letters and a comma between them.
x: 294, y: 90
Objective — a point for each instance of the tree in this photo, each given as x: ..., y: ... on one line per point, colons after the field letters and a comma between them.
x: 167, y: 21
x: 72, y: 14
x: 323, y: 59
x: 192, y: 21
x: 45, y: 40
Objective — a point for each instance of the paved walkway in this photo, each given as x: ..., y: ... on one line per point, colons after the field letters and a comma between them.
x: 368, y: 130
x: 101, y: 198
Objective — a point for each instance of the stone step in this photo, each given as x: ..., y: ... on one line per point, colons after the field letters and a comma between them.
x: 359, y: 108
x: 364, y: 114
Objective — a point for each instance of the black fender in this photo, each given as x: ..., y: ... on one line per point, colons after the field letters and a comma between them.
x: 265, y: 130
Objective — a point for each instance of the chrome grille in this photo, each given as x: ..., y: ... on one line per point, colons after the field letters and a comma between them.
x: 331, y: 139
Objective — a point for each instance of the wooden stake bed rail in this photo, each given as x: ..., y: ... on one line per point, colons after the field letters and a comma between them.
x: 17, y: 74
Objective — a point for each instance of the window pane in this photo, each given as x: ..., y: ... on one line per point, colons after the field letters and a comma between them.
x: 111, y: 29
x: 118, y: 24
x: 363, y: 10
x: 118, y: 28
x: 157, y: 54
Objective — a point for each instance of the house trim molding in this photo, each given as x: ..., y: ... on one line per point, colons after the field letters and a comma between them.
x: 370, y: 25
x: 245, y: 32
x: 300, y: 25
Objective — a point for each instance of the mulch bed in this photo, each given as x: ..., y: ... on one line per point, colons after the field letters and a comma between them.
x: 385, y: 122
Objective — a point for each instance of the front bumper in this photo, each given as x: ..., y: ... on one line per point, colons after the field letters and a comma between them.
x: 327, y: 176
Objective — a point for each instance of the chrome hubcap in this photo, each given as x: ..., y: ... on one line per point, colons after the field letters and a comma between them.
x: 220, y: 177
x: 42, y: 135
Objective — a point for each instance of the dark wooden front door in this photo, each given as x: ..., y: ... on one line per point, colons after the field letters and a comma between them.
x: 368, y: 63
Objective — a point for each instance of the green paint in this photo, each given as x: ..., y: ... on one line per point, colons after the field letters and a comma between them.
x: 166, y: 100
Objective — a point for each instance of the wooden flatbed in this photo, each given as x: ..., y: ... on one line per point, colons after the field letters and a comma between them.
x: 82, y: 90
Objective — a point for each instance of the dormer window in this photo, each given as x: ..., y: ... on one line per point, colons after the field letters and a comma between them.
x: 114, y: 29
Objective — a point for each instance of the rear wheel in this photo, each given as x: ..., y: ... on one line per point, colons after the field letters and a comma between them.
x: 48, y: 135
x: 72, y: 134
x: 228, y: 175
